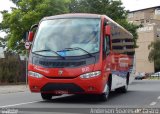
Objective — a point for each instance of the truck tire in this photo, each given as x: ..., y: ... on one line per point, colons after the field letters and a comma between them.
x: 46, y: 96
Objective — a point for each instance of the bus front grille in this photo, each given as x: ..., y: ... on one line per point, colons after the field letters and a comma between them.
x: 61, y: 64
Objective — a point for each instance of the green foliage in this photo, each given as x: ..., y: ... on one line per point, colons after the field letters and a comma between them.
x: 154, y: 55
x: 29, y: 12
x: 3, y: 42
x: 112, y: 9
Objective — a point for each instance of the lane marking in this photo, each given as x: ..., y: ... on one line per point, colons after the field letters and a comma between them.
x: 158, y: 97
x: 153, y: 103
x: 18, y: 104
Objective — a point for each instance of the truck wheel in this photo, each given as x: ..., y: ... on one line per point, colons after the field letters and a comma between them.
x: 46, y: 96
x: 104, y: 96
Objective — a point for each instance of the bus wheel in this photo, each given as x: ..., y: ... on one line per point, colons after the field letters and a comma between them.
x: 104, y: 96
x: 46, y: 96
x: 124, y: 89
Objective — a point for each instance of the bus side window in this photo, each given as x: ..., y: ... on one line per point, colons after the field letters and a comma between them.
x: 107, y: 40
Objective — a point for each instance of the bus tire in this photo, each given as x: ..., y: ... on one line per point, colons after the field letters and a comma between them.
x: 124, y: 89
x: 46, y: 96
x: 104, y: 96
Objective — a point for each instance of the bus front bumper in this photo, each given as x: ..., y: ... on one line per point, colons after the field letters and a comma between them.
x: 76, y: 85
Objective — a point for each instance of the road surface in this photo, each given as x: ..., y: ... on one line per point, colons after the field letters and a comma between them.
x: 141, y: 94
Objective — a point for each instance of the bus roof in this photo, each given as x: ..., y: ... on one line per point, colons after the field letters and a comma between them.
x: 84, y: 15
x: 72, y: 15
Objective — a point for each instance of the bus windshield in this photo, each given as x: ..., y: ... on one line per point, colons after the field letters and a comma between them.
x: 67, y: 37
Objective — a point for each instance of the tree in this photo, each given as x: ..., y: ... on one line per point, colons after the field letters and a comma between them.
x: 3, y: 42
x: 154, y: 54
x: 112, y: 9
x: 27, y: 13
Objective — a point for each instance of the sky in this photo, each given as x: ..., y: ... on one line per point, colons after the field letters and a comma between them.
x: 139, y: 4
x: 128, y: 4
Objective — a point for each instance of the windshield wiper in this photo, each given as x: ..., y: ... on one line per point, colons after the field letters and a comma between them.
x: 50, y: 51
x: 77, y: 48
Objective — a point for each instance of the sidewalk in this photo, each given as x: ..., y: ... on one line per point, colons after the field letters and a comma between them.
x: 4, y: 89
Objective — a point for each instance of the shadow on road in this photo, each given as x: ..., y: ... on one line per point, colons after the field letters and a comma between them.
x: 132, y: 98
x: 84, y: 99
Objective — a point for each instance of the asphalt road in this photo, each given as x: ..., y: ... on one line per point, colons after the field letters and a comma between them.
x: 141, y: 95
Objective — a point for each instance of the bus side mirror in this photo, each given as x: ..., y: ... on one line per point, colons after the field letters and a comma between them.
x: 30, y: 36
x: 107, y: 30
x: 31, y: 33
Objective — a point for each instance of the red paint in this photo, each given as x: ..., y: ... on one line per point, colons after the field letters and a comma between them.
x: 107, y: 30
x: 114, y: 61
x: 30, y: 36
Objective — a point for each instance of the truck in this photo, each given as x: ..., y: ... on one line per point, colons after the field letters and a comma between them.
x: 79, y: 54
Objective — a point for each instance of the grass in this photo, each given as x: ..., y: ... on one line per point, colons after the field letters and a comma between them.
x: 153, y: 78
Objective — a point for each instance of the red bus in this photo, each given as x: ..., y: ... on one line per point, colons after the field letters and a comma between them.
x: 79, y: 54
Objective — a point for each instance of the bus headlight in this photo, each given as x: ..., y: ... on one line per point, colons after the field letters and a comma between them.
x: 91, y: 74
x: 35, y: 74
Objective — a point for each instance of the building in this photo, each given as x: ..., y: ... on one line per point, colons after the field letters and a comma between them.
x: 149, y: 19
